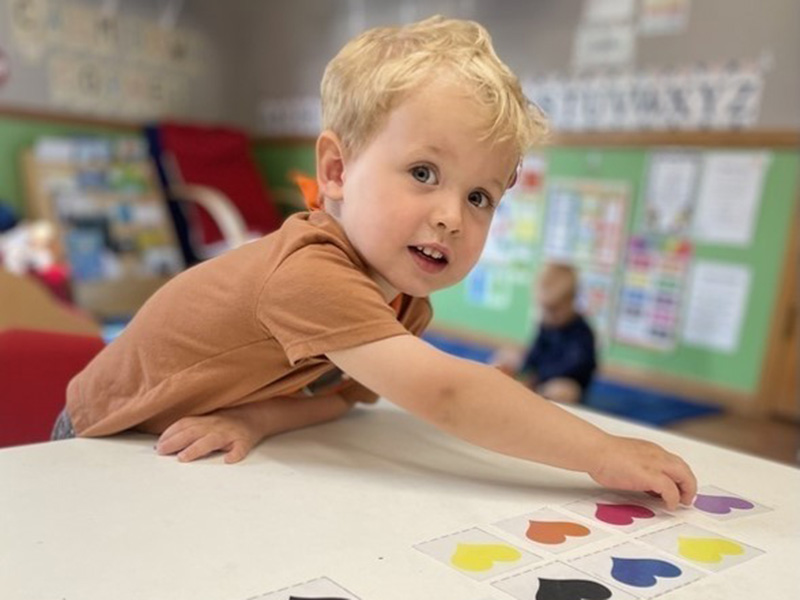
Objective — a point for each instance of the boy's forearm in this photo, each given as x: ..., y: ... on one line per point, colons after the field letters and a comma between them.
x: 487, y: 408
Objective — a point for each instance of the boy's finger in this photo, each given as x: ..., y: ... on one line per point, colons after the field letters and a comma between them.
x: 179, y: 428
x: 200, y: 448
x: 175, y: 442
x: 682, y: 475
x: 237, y: 452
x: 668, y: 491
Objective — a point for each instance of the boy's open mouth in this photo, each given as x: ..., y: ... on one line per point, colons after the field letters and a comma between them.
x: 429, y: 254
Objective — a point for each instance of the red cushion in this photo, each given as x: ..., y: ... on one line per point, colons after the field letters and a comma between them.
x: 220, y: 158
x: 35, y: 368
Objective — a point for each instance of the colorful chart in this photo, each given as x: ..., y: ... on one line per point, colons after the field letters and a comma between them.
x: 650, y: 298
x: 585, y: 221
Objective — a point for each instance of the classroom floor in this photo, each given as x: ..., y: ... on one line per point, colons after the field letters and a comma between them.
x: 772, y: 439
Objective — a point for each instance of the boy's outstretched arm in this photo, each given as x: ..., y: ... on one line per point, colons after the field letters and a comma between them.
x: 483, y: 406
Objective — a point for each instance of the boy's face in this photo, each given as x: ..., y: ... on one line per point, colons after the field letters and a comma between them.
x: 418, y: 200
x: 556, y: 297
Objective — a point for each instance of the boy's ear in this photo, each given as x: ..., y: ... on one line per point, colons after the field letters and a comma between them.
x: 330, y: 165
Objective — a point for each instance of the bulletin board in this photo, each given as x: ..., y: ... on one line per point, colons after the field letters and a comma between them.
x: 738, y: 368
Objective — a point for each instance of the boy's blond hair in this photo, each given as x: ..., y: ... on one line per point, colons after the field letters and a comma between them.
x: 366, y: 80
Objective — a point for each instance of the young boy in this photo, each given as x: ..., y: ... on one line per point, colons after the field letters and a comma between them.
x: 423, y: 130
x: 562, y: 359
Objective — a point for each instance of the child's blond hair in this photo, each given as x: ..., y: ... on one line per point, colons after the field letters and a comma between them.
x: 557, y: 282
x: 367, y: 79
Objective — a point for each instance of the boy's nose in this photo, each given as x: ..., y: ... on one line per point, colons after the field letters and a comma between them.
x: 447, y: 215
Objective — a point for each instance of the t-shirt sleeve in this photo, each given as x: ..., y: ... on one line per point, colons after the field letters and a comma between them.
x: 317, y: 301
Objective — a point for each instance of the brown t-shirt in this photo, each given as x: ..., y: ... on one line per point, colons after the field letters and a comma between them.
x: 252, y: 324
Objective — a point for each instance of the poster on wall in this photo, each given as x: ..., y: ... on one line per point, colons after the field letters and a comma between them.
x: 585, y: 221
x: 607, y: 45
x: 490, y: 287
x: 651, y: 292
x: 29, y: 22
x: 669, y: 193
x: 97, y: 60
x: 729, y: 197
x: 662, y: 17
x: 595, y: 299
x: 603, y: 11
x: 717, y: 298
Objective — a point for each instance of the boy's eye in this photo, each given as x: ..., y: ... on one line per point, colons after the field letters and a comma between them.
x: 480, y: 199
x: 424, y: 174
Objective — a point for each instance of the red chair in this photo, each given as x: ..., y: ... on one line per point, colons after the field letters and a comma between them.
x: 35, y: 368
x: 214, y: 168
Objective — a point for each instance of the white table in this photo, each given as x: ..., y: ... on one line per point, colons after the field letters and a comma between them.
x: 108, y: 519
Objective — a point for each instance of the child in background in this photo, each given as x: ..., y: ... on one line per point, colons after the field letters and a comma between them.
x: 562, y: 360
x: 424, y: 128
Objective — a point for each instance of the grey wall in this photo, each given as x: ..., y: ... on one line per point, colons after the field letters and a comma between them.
x: 293, y: 41
x: 269, y: 49
x: 214, y: 91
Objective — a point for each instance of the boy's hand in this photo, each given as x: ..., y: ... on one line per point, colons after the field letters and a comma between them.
x: 195, y: 437
x: 638, y: 465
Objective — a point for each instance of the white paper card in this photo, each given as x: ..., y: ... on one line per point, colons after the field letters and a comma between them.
x: 619, y: 512
x: 558, y: 580
x: 477, y: 553
x: 701, y: 547
x: 641, y: 570
x: 723, y: 505
x: 316, y: 588
x: 552, y: 530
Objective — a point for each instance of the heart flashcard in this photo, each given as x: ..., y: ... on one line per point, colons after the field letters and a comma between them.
x: 554, y: 532
x: 571, y: 589
x: 481, y: 557
x: 642, y: 572
x: 622, y: 514
x: 477, y: 553
x: 640, y: 569
x: 559, y: 581
x: 700, y: 546
x: 621, y: 511
x: 720, y: 505
x: 707, y: 550
x: 723, y: 505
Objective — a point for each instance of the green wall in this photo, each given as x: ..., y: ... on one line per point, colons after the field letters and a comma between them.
x: 740, y: 369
